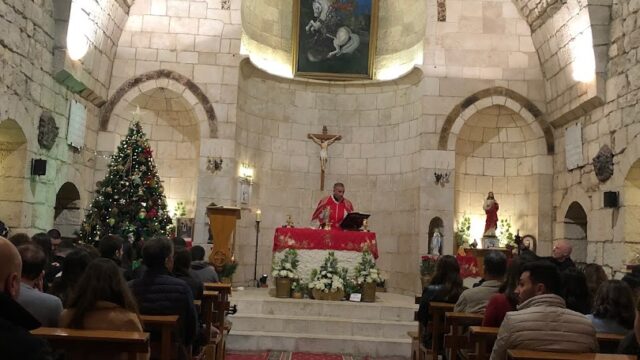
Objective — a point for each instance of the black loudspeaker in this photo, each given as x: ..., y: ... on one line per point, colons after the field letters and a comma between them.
x: 38, y: 167
x: 611, y: 199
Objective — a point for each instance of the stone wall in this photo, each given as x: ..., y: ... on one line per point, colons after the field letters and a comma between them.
x: 376, y: 159
x: 27, y: 89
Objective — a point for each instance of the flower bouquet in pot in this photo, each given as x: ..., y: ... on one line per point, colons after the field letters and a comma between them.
x: 285, y: 272
x: 327, y: 282
x: 367, y: 276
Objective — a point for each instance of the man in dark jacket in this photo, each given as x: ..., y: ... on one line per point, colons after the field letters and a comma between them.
x: 159, y: 293
x: 15, y: 322
x: 201, y: 268
x: 561, y: 255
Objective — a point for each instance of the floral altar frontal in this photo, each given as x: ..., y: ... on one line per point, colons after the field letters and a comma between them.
x: 313, y: 245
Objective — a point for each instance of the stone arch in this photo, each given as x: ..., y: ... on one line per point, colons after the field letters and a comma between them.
x: 67, y: 210
x: 13, y: 174
x: 486, y: 98
x: 174, y: 81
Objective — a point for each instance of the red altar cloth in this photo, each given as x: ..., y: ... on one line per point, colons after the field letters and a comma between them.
x: 316, y: 239
x: 468, y: 266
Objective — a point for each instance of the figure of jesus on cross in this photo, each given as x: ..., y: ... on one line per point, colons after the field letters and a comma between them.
x: 323, y: 140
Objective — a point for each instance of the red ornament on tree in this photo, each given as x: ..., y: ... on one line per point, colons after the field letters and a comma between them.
x: 152, y: 213
x: 147, y: 152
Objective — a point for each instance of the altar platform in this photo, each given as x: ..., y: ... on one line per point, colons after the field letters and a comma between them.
x: 376, y: 329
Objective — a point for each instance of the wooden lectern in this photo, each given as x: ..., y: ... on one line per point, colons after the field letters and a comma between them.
x: 222, y: 225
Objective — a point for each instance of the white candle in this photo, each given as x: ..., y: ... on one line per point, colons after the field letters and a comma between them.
x: 258, y: 215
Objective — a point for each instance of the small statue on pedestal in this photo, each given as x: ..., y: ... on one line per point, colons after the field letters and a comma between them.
x: 365, y: 225
x: 289, y: 223
x: 436, y: 243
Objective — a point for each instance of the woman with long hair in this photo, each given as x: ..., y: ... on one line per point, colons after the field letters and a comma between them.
x: 73, y: 268
x: 505, y: 300
x: 613, y: 308
x: 102, y: 301
x: 445, y: 286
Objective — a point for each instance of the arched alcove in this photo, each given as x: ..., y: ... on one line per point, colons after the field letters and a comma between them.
x: 575, y: 231
x: 435, y: 223
x: 173, y: 130
x: 13, y: 169
x: 499, y: 151
x: 67, y: 215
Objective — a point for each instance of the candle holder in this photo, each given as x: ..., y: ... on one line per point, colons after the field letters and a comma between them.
x: 255, y: 263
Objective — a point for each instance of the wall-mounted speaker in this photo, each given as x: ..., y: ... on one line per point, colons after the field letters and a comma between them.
x: 611, y: 199
x: 38, y: 167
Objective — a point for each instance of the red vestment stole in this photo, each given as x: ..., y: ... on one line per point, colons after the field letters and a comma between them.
x: 337, y: 210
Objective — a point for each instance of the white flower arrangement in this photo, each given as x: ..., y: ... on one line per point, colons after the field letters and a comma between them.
x: 328, y: 278
x: 287, y: 266
x: 366, y: 271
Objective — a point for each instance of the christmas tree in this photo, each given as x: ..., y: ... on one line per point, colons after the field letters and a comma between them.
x: 130, y: 200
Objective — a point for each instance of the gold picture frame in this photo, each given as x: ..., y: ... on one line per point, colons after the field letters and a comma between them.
x: 336, y: 38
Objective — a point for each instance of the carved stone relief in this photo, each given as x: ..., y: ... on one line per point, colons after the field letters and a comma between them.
x: 603, y: 163
x: 47, y: 131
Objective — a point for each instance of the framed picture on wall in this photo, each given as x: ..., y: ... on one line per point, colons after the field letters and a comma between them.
x: 184, y: 228
x: 334, y: 39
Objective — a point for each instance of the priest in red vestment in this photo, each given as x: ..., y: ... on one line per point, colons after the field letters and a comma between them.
x: 333, y: 208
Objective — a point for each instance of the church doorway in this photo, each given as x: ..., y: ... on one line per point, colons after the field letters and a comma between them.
x: 575, y: 231
x: 173, y: 131
x: 13, y: 174
x: 499, y: 151
x: 67, y: 213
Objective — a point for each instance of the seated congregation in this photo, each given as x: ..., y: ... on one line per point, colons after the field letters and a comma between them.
x: 528, y: 303
x: 54, y: 292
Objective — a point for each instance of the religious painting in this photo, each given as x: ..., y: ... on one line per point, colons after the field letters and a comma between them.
x: 334, y: 39
x: 244, y: 192
x: 185, y: 228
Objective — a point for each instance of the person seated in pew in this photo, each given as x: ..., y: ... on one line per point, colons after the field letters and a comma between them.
x: 445, y: 286
x: 201, y: 268
x: 613, y: 310
x: 475, y: 300
x: 629, y: 345
x: 505, y: 300
x: 73, y: 268
x: 576, y: 290
x: 103, y: 301
x: 44, y: 307
x: 542, y: 321
x: 159, y: 293
x: 16, y: 343
x: 181, y: 270
x: 112, y: 247
x: 595, y: 277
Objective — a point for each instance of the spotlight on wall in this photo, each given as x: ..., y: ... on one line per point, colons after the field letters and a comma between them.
x: 584, y: 61
x: 246, y: 173
x: 79, y: 24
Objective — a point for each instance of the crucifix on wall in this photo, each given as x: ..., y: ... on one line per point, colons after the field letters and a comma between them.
x: 323, y: 140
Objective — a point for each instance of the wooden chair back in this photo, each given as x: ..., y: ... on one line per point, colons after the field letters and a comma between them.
x: 79, y: 343
x: 455, y: 325
x: 165, y: 324
x: 542, y: 355
x: 483, y: 338
x: 608, y: 343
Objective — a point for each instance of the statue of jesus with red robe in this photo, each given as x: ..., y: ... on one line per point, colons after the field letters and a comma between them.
x: 333, y: 208
x: 491, y: 209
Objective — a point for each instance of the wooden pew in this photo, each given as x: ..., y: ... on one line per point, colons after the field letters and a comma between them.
x: 456, y: 323
x: 210, y: 305
x: 436, y: 326
x: 608, y: 343
x: 166, y: 325
x: 483, y: 337
x: 77, y: 343
x: 541, y: 355
x: 414, y: 335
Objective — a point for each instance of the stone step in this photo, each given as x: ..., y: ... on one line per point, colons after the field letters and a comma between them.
x: 321, y: 343
x: 319, y: 308
x: 323, y: 325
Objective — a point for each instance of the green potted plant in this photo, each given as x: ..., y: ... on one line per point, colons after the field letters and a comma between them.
x: 367, y: 277
x: 327, y: 283
x: 463, y: 231
x: 427, y: 268
x: 285, y: 272
x: 227, y: 271
x: 505, y: 235
x: 298, y: 289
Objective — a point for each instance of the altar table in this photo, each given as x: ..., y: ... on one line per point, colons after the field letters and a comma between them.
x: 313, y: 245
